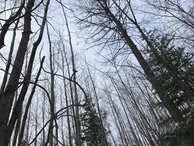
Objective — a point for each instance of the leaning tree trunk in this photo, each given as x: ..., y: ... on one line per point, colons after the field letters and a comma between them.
x: 174, y: 112
x: 6, y: 98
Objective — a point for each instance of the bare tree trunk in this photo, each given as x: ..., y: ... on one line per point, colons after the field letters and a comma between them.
x: 21, y: 134
x: 118, y: 125
x: 137, y: 107
x: 175, y: 113
x: 66, y: 98
x: 9, y: 59
x: 76, y: 100
x: 9, y: 21
x: 36, y: 124
x: 43, y: 120
x: 62, y: 119
x: 52, y: 92
x: 16, y: 132
x: 6, y: 98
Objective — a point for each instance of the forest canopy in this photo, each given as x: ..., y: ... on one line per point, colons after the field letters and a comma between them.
x: 96, y: 73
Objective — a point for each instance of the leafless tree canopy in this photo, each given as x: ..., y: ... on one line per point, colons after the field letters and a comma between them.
x: 96, y: 73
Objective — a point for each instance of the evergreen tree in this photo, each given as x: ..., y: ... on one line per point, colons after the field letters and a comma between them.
x: 182, y: 64
x: 91, y: 129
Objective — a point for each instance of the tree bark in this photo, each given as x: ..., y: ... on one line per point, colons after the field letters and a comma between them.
x: 174, y: 112
x: 6, y: 98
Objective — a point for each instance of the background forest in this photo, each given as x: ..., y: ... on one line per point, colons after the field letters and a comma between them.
x: 96, y: 73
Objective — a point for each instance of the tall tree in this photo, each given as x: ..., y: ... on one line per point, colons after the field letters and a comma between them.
x: 182, y: 64
x: 92, y: 130
x: 112, y: 17
x: 112, y: 23
x: 12, y: 105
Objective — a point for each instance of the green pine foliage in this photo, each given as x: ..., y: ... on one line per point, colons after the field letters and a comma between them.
x: 182, y: 63
x: 91, y: 127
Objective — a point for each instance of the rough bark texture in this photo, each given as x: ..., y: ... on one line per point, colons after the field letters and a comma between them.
x: 6, y: 98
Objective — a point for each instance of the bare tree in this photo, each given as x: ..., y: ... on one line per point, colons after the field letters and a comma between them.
x: 10, y: 85
x: 112, y: 24
x: 119, y: 13
x: 178, y: 18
